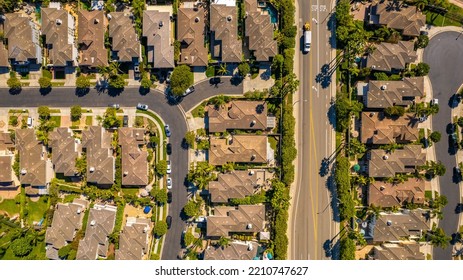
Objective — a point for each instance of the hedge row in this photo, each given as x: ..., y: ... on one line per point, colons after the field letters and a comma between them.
x: 341, y: 175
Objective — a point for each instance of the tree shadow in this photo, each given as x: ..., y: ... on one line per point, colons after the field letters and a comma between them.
x: 331, y: 114
x: 15, y: 91
x: 115, y: 91
x: 144, y: 91
x: 332, y: 28
x: 454, y: 100
x: 236, y: 80
x: 45, y: 91
x: 82, y: 91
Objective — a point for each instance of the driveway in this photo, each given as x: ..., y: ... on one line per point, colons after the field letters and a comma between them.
x: 444, y: 54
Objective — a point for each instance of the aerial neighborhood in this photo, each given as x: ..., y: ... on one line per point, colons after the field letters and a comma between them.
x: 202, y: 129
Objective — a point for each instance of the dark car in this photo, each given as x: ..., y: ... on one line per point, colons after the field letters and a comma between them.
x: 169, y: 148
x: 169, y: 221
x: 125, y: 121
x: 169, y: 197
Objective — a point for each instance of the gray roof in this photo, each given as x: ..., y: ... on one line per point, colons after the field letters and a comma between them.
x: 225, y: 43
x: 100, y: 225
x: 243, y: 219
x: 100, y: 160
x: 406, y: 160
x: 5, y: 142
x: 388, y: 57
x: 65, y: 150
x: 124, y: 38
x: 259, y: 32
x: 236, y: 184
x: 383, y: 94
x: 134, y: 160
x: 67, y: 220
x: 6, y: 162
x: 389, y: 195
x: 23, y: 38
x: 402, y: 251
x: 249, y: 115
x: 238, y: 148
x: 158, y: 33
x: 3, y: 56
x: 234, y: 251
x: 91, y: 31
x: 376, y: 128
x: 400, y: 226
x: 191, y: 30
x: 133, y: 241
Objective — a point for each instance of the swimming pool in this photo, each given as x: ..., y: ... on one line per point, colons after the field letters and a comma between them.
x: 272, y: 12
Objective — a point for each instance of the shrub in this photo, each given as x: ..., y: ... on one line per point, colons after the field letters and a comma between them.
x: 244, y: 69
x: 83, y: 82
x: 44, y: 112
x: 181, y: 79
x: 45, y: 82
x: 190, y: 138
x: 160, y: 228
x: 21, y: 247
x: 76, y: 113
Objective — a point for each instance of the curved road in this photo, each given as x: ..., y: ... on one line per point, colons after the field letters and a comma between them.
x: 157, y: 102
x: 444, y: 55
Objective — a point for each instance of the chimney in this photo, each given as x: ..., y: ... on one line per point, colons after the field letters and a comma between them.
x: 96, y: 21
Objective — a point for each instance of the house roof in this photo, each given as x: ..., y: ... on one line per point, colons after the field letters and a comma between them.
x: 396, y: 15
x: 91, y: 31
x: 402, y: 251
x: 236, y: 184
x: 65, y: 151
x: 5, y: 141
x: 259, y: 31
x: 237, y: 115
x: 100, y: 160
x: 397, y: 226
x: 224, y: 27
x: 134, y: 160
x: 233, y: 251
x: 58, y: 31
x: 133, y: 241
x: 67, y: 220
x: 227, y: 220
x: 383, y: 94
x: 388, y: 56
x: 22, y: 35
x: 383, y: 164
x: 157, y: 30
x: 100, y: 225
x: 124, y: 38
x: 191, y: 30
x: 378, y: 129
x: 6, y: 174
x: 388, y: 195
x: 3, y: 56
x: 33, y: 159
x: 238, y: 148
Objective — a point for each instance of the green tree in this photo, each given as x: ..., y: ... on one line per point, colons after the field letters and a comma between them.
x: 145, y: 82
x: 222, y: 69
x: 76, y: 113
x: 161, y: 168
x: 228, y: 167
x: 44, y: 112
x: 181, y: 79
x: 421, y: 42
x: 191, y: 208
x: 277, y: 65
x: 356, y: 147
x: 116, y: 82
x: 188, y: 238
x: 435, y: 136
x: 345, y: 109
x: 154, y: 140
x: 244, y: 69
x: 190, y: 139
x: 201, y: 174
x: 347, y: 249
x: 63, y: 252
x: 436, y: 169
x: 81, y: 164
x: 83, y: 82
x: 421, y: 69
x: 439, y: 238
x: 110, y: 119
x: 160, y: 228
x: 394, y: 111
x: 280, y: 198
x: 161, y: 196
x: 14, y: 83
x: 381, y: 76
x: 460, y: 121
x: 21, y: 247
x: 223, y: 242
x: 45, y: 82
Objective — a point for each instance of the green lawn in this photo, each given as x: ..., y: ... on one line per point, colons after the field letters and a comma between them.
x: 198, y: 111
x: 273, y: 142
x: 439, y: 20
x: 160, y: 122
x: 36, y: 210
x: 69, y: 198
x: 9, y: 206
x: 57, y: 120
x: 88, y: 120
x: 130, y: 191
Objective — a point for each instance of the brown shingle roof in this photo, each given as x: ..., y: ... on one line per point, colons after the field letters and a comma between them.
x: 3, y: 56
x: 237, y: 115
x: 124, y: 38
x: 388, y: 195
x: 406, y: 160
x: 133, y: 241
x: 6, y: 173
x: 388, y: 57
x: 23, y: 38
x: 224, y: 27
x: 378, y: 129
x: 398, y: 226
x: 383, y: 94
x: 91, y: 30
x: 134, y: 160
x: 100, y: 161
x: 238, y: 148
x: 404, y: 251
x: 234, y: 251
x: 65, y: 151
x: 259, y: 32
x: 157, y: 30
x: 5, y: 142
x: 191, y: 30
x: 244, y: 219
x: 237, y: 184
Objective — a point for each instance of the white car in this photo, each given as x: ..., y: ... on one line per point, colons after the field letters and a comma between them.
x: 169, y: 183
x: 169, y: 170
x: 141, y: 106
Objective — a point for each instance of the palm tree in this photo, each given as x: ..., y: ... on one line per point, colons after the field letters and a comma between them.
x: 223, y: 242
x: 115, y: 68
x: 222, y: 69
x: 421, y: 4
x: 439, y: 238
x: 228, y: 167
x: 376, y: 210
x: 383, y: 33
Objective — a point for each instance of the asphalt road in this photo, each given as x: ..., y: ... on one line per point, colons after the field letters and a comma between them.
x: 157, y: 102
x: 444, y: 54
x: 314, y: 226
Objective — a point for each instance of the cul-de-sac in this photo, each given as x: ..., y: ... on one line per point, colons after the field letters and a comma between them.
x: 231, y: 130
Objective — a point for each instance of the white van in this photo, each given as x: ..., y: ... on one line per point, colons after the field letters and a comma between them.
x: 29, y: 122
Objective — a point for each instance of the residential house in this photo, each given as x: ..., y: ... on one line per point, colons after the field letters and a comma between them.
x: 383, y: 164
x: 397, y: 15
x: 134, y: 239
x: 392, y: 58
x: 100, y: 225
x: 245, y: 115
x: 157, y: 30
x: 233, y: 251
x: 36, y: 170
x: 378, y: 129
x: 245, y: 219
x: 236, y: 184
x: 385, y: 194
x: 67, y: 221
x: 6, y: 161
x: 191, y: 29
x: 384, y: 94
x: 134, y: 160
x: 22, y: 36
x: 91, y: 38
x: 65, y: 150
x: 259, y: 32
x: 96, y: 142
x: 4, y: 64
x: 402, y: 251
x: 238, y: 148
x: 124, y: 39
x: 58, y: 28
x: 395, y: 227
x: 226, y: 46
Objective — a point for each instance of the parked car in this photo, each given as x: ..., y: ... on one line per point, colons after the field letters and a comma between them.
x: 169, y: 170
x: 169, y: 221
x: 169, y: 148
x: 125, y: 121
x: 434, y: 101
x: 169, y: 74
x: 169, y: 183
x: 141, y: 106
x: 167, y: 130
x: 29, y: 122
x: 116, y: 106
x: 169, y: 197
x: 189, y: 90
